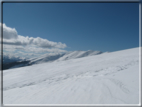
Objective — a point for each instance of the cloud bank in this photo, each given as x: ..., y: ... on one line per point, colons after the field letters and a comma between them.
x: 12, y: 41
x: 11, y: 37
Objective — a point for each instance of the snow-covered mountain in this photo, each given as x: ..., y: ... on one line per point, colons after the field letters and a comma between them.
x: 78, y: 54
x: 63, y: 56
x: 51, y: 58
x: 45, y: 58
x: 11, y: 60
x: 108, y: 78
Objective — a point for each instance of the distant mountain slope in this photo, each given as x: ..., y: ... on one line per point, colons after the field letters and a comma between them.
x: 109, y: 78
x: 45, y: 58
x: 78, y: 54
x: 11, y: 60
x: 64, y: 56
x: 50, y: 58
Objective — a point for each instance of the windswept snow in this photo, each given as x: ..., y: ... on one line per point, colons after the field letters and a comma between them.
x: 109, y: 78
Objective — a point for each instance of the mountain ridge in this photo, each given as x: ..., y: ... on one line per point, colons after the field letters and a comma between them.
x: 49, y: 58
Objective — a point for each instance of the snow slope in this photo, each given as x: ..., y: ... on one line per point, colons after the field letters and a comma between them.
x: 109, y: 78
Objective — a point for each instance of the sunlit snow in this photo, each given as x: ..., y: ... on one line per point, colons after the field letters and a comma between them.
x: 108, y: 78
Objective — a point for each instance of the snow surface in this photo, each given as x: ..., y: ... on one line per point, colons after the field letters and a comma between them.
x: 109, y: 78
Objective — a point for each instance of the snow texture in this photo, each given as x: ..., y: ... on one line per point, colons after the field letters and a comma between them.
x: 108, y: 78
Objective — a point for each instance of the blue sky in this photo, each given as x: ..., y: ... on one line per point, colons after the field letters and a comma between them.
x: 79, y: 26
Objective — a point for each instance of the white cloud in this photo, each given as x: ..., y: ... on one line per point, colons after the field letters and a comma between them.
x: 39, y: 42
x: 11, y: 37
x: 8, y: 33
x: 12, y: 42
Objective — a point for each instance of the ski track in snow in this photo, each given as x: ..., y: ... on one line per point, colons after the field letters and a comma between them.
x: 106, y: 80
x: 101, y: 72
